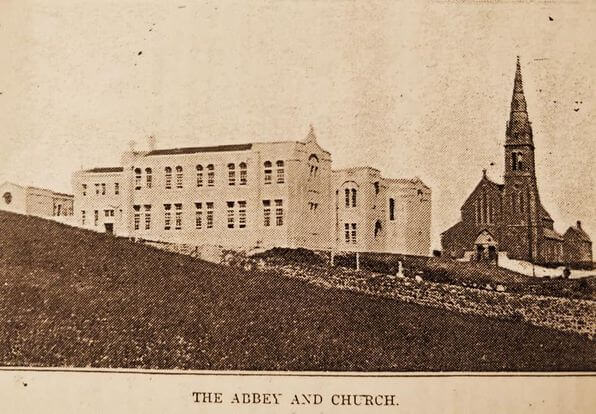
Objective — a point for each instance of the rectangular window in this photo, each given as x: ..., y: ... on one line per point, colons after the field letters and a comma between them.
x: 232, y: 177
x: 230, y: 214
x: 147, y: 216
x: 84, y: 189
x: 267, y: 213
x: 106, y: 213
x: 178, y: 220
x: 179, y: 177
x: 96, y: 188
x: 347, y: 232
x: 199, y: 179
x: 116, y: 188
x: 242, y: 214
x: 137, y: 216
x: 209, y: 215
x: 280, y: 172
x: 95, y: 217
x: 103, y: 188
x: 353, y: 233
x: 243, y: 177
x: 392, y: 209
x: 83, y: 217
x: 210, y: 178
x: 279, y: 213
x: 149, y: 179
x: 167, y: 216
x: 268, y: 175
x: 198, y: 216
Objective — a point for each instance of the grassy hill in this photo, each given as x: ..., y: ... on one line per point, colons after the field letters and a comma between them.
x: 70, y: 297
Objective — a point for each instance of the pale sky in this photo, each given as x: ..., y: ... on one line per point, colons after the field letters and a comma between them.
x: 411, y: 88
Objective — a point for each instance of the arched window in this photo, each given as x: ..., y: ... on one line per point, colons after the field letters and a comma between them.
x: 137, y: 178
x: 392, y: 209
x: 347, y: 193
x: 354, y: 197
x: 231, y: 174
x: 243, y: 173
x: 313, y: 165
x: 210, y: 175
x: 280, y: 172
x: 514, y: 161
x: 179, y: 177
x: 168, y: 172
x: 267, y: 172
x: 148, y: 177
x: 199, y: 175
x: 520, y: 161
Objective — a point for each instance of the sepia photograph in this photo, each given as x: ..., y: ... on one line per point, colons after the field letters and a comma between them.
x: 383, y: 187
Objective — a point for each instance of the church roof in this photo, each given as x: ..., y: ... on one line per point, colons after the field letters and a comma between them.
x: 582, y: 235
x: 551, y: 234
x: 487, y: 181
x: 544, y: 214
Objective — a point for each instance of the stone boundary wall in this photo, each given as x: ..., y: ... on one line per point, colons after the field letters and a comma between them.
x: 569, y: 315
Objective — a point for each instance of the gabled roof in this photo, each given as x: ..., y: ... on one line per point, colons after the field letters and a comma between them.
x: 487, y: 181
x: 579, y: 232
x: 105, y: 170
x: 195, y: 150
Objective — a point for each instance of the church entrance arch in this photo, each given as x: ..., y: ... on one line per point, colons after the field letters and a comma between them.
x: 486, y: 247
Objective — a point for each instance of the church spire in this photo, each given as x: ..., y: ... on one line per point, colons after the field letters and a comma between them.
x: 519, y: 128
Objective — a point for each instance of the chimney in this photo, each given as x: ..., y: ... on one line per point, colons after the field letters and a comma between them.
x: 579, y: 224
x: 151, y: 142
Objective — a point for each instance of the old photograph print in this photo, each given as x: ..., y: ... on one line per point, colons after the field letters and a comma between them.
x: 369, y: 186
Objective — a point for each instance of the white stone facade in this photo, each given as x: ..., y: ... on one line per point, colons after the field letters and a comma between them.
x: 276, y: 194
x: 35, y: 201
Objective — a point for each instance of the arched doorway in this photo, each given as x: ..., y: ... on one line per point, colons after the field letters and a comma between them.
x: 486, y: 247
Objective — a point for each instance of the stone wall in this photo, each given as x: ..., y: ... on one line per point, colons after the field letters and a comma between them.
x: 570, y: 315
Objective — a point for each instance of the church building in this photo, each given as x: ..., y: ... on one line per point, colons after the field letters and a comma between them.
x: 510, y: 217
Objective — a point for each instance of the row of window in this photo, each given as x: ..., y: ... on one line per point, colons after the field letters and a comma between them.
x: 350, y: 233
x: 204, y: 215
x: 101, y: 189
x: 484, y: 208
x: 205, y: 176
x: 107, y: 213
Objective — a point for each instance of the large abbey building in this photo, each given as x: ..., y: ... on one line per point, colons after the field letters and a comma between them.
x: 262, y: 194
x: 510, y: 217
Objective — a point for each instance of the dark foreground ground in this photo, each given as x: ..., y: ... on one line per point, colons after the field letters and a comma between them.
x: 69, y: 297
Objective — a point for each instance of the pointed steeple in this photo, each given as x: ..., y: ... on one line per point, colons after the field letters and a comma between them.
x: 519, y: 128
x: 311, y: 135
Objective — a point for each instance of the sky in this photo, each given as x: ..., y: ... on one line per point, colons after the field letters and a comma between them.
x: 411, y: 88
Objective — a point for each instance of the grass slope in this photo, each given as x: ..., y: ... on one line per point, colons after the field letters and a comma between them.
x: 69, y: 297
